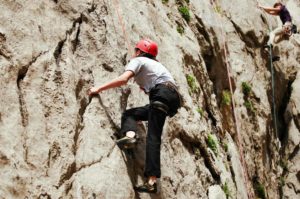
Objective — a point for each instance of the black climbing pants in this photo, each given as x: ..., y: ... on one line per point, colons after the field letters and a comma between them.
x: 156, y: 119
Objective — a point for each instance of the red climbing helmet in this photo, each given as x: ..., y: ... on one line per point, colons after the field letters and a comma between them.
x: 147, y: 46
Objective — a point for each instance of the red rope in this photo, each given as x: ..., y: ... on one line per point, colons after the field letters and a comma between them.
x: 117, y: 8
x: 244, y: 166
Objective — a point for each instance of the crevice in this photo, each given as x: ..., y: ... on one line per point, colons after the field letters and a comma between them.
x: 73, y: 170
x: 23, y: 108
x: 292, y: 186
x: 264, y: 20
x: 25, y: 148
x: 231, y: 171
x: 5, y: 54
x: 58, y: 50
x: 79, y: 87
x: 267, y: 149
x: 209, y: 163
x: 24, y: 69
x: 92, y: 8
x: 107, y: 67
x: 282, y: 125
x: 190, y: 143
x: 79, y: 21
x: 206, y: 87
x: 213, y: 56
x: 76, y: 41
x: 207, y: 47
x: 3, y: 48
x: 69, y: 173
x: 207, y: 91
x: 83, y: 105
x: 21, y: 75
x: 249, y: 38
x: 44, y: 196
x: 114, y: 126
x: 201, y: 29
x: 54, y: 153
x: 294, y: 153
x: 68, y: 187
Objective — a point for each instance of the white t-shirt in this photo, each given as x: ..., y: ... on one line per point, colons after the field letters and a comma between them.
x: 148, y: 72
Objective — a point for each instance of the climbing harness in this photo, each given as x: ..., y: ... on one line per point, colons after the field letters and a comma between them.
x: 228, y: 68
x: 160, y: 106
x: 294, y: 29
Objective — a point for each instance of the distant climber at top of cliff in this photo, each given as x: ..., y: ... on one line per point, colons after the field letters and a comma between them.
x: 284, y: 30
x: 164, y: 98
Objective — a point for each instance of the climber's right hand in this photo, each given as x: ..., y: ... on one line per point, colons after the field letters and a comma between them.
x: 93, y: 91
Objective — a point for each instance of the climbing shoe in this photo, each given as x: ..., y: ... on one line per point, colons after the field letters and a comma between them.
x: 126, y: 142
x: 275, y: 58
x: 147, y: 188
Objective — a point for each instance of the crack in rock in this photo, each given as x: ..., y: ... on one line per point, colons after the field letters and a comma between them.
x: 84, y: 102
x: 76, y: 25
x: 58, y: 50
x: 3, y: 48
x: 208, y: 160
x: 72, y: 170
x: 111, y: 121
x: 21, y: 75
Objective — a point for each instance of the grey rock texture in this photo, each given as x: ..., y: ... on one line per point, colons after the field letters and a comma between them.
x: 55, y: 141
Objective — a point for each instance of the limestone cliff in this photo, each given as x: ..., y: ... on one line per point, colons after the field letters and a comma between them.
x: 55, y: 142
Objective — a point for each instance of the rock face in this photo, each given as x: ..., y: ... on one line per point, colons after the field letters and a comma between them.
x: 55, y: 141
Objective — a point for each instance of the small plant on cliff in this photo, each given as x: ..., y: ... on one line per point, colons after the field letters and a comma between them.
x: 185, y: 13
x: 226, y: 190
x: 218, y: 9
x: 165, y: 1
x: 197, y: 153
x: 200, y: 111
x: 212, y: 144
x: 191, y: 82
x: 284, y: 165
x: 226, y: 97
x: 246, y: 88
x: 281, y: 182
x: 180, y: 29
x: 249, y: 106
x: 260, y: 191
x: 225, y: 145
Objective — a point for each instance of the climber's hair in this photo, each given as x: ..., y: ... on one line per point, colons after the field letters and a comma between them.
x: 147, y: 55
x: 143, y: 54
x: 277, y: 4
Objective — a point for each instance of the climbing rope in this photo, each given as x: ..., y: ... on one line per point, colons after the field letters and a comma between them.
x: 273, y: 92
x: 272, y: 79
x: 116, y: 5
x: 228, y: 68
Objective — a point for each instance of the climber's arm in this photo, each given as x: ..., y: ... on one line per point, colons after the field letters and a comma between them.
x: 119, y: 81
x: 270, y: 10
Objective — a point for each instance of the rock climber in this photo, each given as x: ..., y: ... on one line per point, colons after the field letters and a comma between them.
x: 287, y: 27
x: 156, y: 81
